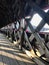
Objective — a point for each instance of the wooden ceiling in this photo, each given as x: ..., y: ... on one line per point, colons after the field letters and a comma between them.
x: 11, y: 10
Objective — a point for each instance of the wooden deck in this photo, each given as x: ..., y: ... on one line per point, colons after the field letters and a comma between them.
x: 9, y: 55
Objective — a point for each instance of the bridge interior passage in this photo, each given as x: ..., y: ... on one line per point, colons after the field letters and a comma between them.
x: 16, y: 40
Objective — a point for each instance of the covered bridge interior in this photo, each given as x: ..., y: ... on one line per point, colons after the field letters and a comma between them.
x: 24, y: 32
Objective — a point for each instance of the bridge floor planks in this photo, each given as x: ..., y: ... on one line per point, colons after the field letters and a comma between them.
x: 10, y: 55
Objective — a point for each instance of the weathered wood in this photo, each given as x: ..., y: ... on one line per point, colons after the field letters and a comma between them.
x: 1, y: 60
x: 11, y: 56
x: 39, y: 39
x: 31, y: 53
x: 33, y: 56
